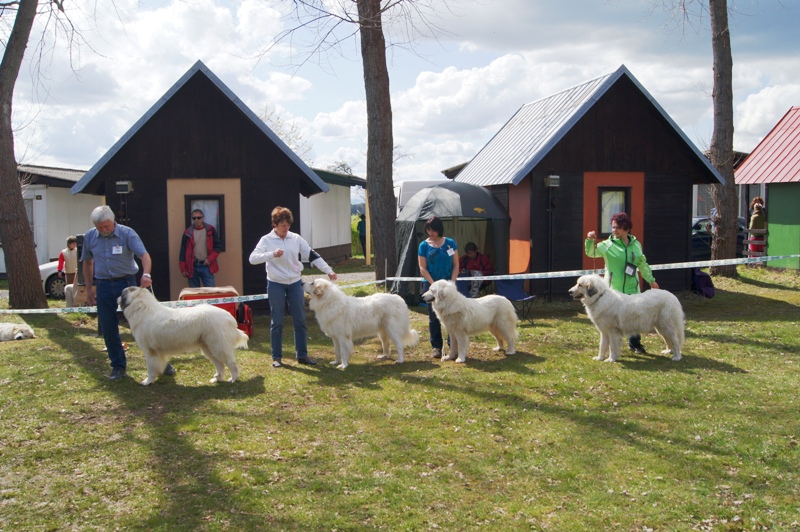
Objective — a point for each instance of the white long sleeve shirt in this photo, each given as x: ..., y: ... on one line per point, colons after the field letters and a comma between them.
x: 287, y: 268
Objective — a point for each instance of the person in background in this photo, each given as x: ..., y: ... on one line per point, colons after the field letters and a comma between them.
x: 757, y: 200
x: 475, y: 263
x: 284, y: 252
x: 200, y: 247
x: 362, y: 233
x: 757, y: 221
x: 68, y: 260
x: 438, y: 259
x: 624, y: 260
x: 109, y: 251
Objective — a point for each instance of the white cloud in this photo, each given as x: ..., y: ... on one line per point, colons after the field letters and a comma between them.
x: 448, y: 101
x: 759, y: 113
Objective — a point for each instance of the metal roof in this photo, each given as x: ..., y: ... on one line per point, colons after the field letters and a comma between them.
x: 776, y: 159
x: 200, y: 68
x: 539, y: 126
x: 65, y: 174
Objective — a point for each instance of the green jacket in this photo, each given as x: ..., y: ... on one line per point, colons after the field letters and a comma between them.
x: 616, y: 254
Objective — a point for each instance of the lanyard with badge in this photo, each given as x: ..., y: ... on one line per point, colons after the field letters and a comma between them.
x: 630, y: 267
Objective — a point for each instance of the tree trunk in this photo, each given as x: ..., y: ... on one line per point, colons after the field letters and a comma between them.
x: 725, y: 198
x: 24, y: 282
x: 380, y: 143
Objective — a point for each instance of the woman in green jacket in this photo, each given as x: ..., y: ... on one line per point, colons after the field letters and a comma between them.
x: 623, y: 256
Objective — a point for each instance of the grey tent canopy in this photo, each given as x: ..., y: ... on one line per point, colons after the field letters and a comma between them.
x: 469, y: 213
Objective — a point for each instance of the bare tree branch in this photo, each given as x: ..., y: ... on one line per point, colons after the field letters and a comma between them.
x: 320, y: 28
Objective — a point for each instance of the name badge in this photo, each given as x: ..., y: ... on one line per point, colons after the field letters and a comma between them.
x: 630, y: 269
x: 451, y: 251
x: 116, y: 250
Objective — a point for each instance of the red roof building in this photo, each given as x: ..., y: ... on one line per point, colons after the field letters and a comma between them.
x: 775, y: 162
x: 776, y: 159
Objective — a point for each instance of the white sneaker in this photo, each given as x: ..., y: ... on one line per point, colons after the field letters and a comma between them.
x: 436, y: 353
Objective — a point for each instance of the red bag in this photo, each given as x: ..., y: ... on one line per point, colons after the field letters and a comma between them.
x: 244, y: 319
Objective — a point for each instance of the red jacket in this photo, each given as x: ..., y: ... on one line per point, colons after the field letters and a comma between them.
x: 186, y: 256
x: 480, y: 263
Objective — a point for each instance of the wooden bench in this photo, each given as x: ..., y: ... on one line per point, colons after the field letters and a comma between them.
x: 761, y: 234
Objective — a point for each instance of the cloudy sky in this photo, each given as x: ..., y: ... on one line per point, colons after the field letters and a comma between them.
x: 452, y: 87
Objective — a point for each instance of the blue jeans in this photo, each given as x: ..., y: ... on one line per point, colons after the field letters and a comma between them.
x: 107, y: 294
x: 278, y: 295
x: 201, y: 273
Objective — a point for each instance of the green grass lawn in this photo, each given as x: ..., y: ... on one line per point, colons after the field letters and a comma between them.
x: 544, y: 439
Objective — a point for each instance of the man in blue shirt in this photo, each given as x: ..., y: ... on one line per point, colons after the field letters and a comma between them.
x: 108, y: 264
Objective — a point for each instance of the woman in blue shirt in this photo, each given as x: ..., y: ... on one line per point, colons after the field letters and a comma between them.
x: 437, y: 260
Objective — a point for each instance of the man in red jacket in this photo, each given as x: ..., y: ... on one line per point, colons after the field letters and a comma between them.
x: 200, y: 247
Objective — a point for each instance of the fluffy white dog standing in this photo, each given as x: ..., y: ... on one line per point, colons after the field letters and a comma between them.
x: 464, y: 317
x: 617, y: 315
x: 15, y: 331
x: 344, y: 319
x: 162, y: 331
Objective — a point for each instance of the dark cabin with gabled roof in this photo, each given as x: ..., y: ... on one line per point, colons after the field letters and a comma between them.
x: 200, y: 145
x: 564, y: 164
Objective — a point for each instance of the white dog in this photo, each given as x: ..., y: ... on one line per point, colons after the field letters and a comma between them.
x: 162, y: 331
x: 15, y: 331
x: 463, y: 317
x: 344, y: 318
x: 616, y: 315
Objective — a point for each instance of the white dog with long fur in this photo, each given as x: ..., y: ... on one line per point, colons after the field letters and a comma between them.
x: 617, y: 315
x: 464, y: 317
x: 345, y: 318
x: 15, y: 331
x: 161, y: 331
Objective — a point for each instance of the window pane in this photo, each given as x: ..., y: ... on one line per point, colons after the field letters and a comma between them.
x: 210, y: 208
x: 611, y: 202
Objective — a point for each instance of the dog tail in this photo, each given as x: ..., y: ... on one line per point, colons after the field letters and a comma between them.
x: 241, y: 340
x: 411, y: 339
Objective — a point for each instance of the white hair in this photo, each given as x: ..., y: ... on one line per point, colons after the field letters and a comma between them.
x: 101, y: 214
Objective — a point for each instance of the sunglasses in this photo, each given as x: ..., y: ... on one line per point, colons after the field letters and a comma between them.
x: 197, y: 217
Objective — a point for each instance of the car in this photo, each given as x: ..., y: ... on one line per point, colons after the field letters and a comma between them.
x: 701, y: 237
x: 51, y: 282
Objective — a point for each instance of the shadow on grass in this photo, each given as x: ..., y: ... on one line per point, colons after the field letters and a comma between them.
x: 663, y: 363
x: 739, y: 342
x: 601, y: 421
x: 369, y: 375
x: 766, y: 285
x: 738, y: 307
x: 166, y: 408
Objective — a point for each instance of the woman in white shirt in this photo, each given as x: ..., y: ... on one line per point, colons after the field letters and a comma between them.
x: 284, y: 253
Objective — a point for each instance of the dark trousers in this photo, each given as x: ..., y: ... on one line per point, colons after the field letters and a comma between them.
x: 434, y: 325
x: 107, y: 294
x: 434, y: 328
x: 635, y: 341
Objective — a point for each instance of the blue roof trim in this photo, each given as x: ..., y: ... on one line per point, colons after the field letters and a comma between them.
x: 199, y: 66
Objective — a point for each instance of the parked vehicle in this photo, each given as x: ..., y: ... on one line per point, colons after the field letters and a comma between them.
x: 52, y: 283
x: 701, y: 237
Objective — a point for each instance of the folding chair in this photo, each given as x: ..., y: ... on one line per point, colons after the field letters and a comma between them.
x: 463, y: 287
x: 514, y: 291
